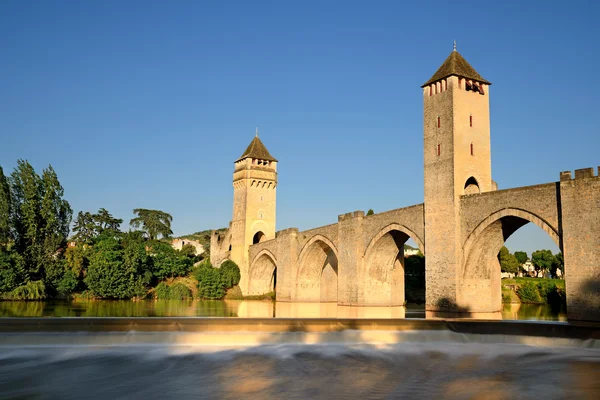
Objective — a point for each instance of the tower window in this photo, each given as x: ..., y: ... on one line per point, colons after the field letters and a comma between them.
x: 471, y: 121
x: 439, y: 122
x: 471, y: 148
x: 439, y: 149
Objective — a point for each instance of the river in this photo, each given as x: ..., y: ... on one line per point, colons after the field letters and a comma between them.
x: 244, y: 309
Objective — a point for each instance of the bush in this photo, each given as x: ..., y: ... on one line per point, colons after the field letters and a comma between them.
x: 162, y: 291
x: 210, y: 285
x: 230, y: 274
x: 528, y: 293
x: 179, y: 291
x: 34, y: 290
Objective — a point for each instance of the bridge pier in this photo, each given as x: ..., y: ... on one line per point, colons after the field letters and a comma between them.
x: 580, y: 223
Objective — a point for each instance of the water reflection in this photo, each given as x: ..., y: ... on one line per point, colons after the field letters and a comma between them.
x: 251, y: 309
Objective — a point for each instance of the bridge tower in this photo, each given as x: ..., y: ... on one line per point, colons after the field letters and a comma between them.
x: 457, y: 161
x: 254, y: 201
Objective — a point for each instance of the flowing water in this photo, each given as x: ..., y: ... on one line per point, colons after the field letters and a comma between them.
x: 292, y: 365
x: 341, y: 365
x: 244, y: 309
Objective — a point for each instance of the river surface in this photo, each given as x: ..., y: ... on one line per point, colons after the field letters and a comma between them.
x: 245, y: 309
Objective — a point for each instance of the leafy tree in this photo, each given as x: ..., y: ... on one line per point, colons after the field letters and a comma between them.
x: 210, y: 284
x: 5, y: 210
x: 84, y: 228
x: 370, y: 212
x: 153, y: 222
x: 105, y: 221
x: 521, y: 257
x: 230, y: 274
x: 542, y: 260
x: 168, y: 262
x: 558, y: 264
x: 113, y: 272
x: 40, y: 217
x: 508, y: 262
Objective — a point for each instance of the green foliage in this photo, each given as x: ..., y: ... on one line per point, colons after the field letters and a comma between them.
x: 89, y: 226
x: 210, y: 285
x: 78, y: 258
x: 168, y: 262
x: 11, y: 275
x: 506, y: 298
x: 33, y: 290
x: 230, y: 274
x: 153, y: 222
x: 558, y: 264
x: 5, y: 211
x: 370, y: 212
x: 508, y: 262
x: 179, y: 291
x: 188, y: 250
x: 521, y: 257
x: 40, y: 218
x: 528, y: 293
x: 162, y: 291
x: 115, y: 272
x: 542, y: 260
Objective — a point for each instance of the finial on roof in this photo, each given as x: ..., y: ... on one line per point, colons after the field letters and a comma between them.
x: 257, y: 131
x: 454, y: 46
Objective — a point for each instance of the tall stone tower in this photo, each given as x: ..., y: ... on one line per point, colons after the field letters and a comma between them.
x: 254, y: 201
x: 457, y: 162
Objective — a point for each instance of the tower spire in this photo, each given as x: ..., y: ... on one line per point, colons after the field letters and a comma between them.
x: 454, y: 46
x: 257, y: 131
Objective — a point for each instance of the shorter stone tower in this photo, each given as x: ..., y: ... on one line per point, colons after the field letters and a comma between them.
x: 254, y: 201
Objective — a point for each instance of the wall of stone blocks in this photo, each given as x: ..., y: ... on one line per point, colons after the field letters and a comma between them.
x: 580, y: 212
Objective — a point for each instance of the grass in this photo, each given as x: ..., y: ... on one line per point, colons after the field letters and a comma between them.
x: 533, y: 290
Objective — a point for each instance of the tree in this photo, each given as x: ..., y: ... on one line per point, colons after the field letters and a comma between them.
x: 558, y: 264
x: 521, y: 257
x: 370, y: 212
x: 168, y: 262
x: 105, y: 221
x: 542, y: 260
x: 153, y: 222
x: 508, y: 262
x: 5, y: 211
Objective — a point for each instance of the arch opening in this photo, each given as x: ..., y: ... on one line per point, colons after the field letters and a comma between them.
x: 262, y: 276
x: 393, y: 272
x: 258, y: 237
x: 472, y: 186
x: 482, y: 273
x: 317, y: 278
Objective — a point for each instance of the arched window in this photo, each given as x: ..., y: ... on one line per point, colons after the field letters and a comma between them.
x: 258, y: 237
x: 471, y: 186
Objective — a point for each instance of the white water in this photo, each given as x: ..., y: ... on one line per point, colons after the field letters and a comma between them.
x: 296, y: 365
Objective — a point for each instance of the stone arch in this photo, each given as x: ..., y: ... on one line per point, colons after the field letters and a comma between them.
x: 480, y: 286
x: 383, y: 272
x: 317, y: 276
x: 258, y: 237
x: 472, y: 186
x: 262, y: 275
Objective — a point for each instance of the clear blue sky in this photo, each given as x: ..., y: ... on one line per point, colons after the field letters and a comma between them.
x: 147, y: 104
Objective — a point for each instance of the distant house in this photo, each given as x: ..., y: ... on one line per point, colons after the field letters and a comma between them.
x: 178, y: 244
x: 410, y: 252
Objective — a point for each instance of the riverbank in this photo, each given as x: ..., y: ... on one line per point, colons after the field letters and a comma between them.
x: 534, y: 291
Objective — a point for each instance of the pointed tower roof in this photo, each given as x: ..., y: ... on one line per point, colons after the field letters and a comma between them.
x: 256, y: 149
x: 455, y: 64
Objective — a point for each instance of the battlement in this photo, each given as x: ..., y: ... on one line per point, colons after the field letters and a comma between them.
x: 288, y: 231
x: 350, y: 215
x: 582, y: 173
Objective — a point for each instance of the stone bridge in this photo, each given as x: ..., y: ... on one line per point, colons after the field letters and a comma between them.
x: 360, y: 260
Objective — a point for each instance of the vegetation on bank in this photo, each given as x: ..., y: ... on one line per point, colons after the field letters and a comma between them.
x: 38, y: 260
x: 534, y: 291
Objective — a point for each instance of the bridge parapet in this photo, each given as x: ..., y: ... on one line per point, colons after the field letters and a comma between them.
x: 582, y: 173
